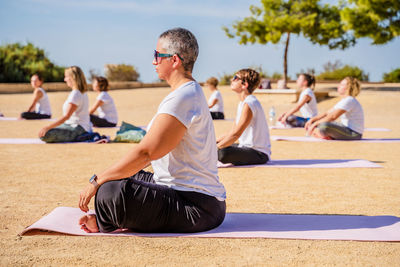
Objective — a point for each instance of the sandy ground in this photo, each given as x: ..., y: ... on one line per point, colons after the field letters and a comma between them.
x: 35, y: 179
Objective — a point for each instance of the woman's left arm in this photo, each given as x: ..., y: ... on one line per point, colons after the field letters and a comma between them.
x: 164, y: 135
x: 238, y: 129
x: 296, y: 108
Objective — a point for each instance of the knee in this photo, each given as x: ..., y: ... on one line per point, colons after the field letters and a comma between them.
x: 291, y: 118
x: 222, y: 153
x: 323, y: 127
x: 24, y: 115
x: 108, y: 192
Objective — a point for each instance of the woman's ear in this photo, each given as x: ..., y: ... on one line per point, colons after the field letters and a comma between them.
x: 176, y: 60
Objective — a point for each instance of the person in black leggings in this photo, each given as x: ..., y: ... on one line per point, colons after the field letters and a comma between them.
x: 250, y: 128
x: 184, y: 194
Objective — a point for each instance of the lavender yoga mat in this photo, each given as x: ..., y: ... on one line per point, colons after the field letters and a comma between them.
x: 286, y: 127
x: 252, y: 225
x: 21, y: 141
x: 18, y: 119
x: 309, y: 163
x: 313, y: 139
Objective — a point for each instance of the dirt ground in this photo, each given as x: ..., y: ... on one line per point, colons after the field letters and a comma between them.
x: 35, y: 179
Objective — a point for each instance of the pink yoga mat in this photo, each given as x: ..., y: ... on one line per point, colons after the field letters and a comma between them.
x: 253, y: 225
x: 309, y: 163
x: 21, y: 141
x: 18, y: 119
x: 313, y: 139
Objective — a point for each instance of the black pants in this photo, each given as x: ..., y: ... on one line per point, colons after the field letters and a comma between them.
x: 217, y: 115
x: 296, y: 121
x: 34, y: 116
x: 99, y: 122
x: 338, y: 131
x: 141, y: 205
x: 241, y: 155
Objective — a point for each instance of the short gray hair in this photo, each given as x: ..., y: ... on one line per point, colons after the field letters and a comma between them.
x: 182, y: 42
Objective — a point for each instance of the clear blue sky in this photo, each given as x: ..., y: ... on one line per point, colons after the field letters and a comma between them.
x: 91, y: 33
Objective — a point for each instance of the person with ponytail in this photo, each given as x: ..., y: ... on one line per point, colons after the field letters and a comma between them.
x: 348, y: 109
x: 75, y: 120
x: 307, y: 104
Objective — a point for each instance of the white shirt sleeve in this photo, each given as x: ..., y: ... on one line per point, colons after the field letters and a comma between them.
x: 177, y: 106
x: 75, y: 98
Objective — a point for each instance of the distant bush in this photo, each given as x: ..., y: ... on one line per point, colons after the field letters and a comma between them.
x: 121, y: 72
x: 335, y: 71
x: 392, y: 77
x: 225, y: 79
x: 18, y: 63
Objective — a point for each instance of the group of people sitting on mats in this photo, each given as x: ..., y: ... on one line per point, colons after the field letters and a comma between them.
x: 77, y: 119
x: 184, y: 194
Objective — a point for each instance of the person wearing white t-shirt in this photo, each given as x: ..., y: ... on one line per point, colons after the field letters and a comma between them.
x: 215, y: 102
x: 349, y: 110
x: 307, y: 103
x: 184, y: 193
x: 40, y: 106
x: 250, y: 128
x: 108, y: 116
x: 75, y: 120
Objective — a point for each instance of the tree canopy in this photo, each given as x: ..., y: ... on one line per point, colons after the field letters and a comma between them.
x: 18, y: 62
x: 320, y: 24
x: 378, y: 20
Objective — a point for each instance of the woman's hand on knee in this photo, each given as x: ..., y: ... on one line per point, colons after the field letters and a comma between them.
x: 86, y: 196
x: 43, y: 131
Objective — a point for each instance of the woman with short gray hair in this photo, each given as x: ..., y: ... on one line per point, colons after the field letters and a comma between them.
x: 184, y: 193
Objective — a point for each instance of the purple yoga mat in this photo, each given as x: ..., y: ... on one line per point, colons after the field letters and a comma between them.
x: 313, y: 139
x: 18, y: 119
x: 309, y: 163
x: 21, y: 141
x: 281, y: 126
x: 253, y: 225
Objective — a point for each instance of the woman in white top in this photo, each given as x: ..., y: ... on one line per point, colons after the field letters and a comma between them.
x: 348, y: 109
x: 75, y: 120
x: 108, y: 116
x: 307, y: 103
x: 184, y: 194
x: 40, y: 106
x: 215, y: 102
x: 250, y: 128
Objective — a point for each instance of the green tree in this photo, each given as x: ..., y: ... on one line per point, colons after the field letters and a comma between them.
x: 318, y: 23
x: 392, y: 77
x: 121, y: 72
x: 18, y: 62
x: 336, y: 71
x: 378, y: 20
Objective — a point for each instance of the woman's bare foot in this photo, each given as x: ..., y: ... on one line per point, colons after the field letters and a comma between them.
x: 88, y: 223
x: 318, y: 134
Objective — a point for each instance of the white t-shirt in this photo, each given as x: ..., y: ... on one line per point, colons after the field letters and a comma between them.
x: 192, y: 165
x: 219, y: 106
x: 43, y: 104
x: 308, y: 110
x: 354, y: 115
x: 256, y: 135
x: 81, y: 114
x: 107, y: 111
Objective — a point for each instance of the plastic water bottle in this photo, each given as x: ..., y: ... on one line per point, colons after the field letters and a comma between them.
x: 272, y: 116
